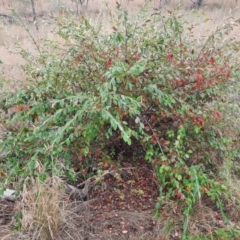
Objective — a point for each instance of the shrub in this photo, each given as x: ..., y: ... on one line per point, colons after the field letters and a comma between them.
x: 146, y: 89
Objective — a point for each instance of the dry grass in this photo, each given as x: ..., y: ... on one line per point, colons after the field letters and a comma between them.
x: 47, y: 213
x: 41, y: 208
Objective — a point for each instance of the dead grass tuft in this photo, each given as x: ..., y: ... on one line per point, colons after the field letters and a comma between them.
x: 41, y: 208
x: 47, y: 212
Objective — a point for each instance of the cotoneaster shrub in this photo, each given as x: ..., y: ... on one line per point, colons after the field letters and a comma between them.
x: 146, y: 90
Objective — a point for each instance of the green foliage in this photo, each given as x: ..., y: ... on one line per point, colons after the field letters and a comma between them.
x: 225, y: 234
x: 219, y: 235
x: 147, y: 88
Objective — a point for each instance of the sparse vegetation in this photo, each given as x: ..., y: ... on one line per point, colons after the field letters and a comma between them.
x: 94, y: 105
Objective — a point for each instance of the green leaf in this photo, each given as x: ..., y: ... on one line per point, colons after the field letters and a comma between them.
x: 126, y: 137
x: 138, y: 68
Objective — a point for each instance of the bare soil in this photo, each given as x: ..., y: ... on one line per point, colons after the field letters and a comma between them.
x: 122, y: 207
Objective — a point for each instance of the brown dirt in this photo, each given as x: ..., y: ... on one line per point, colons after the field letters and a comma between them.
x: 121, y: 206
x: 6, y: 212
